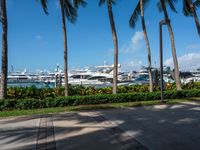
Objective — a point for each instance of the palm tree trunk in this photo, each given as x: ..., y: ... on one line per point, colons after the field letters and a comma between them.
x: 176, y: 67
x: 196, y: 21
x: 147, y: 46
x: 195, y: 15
x: 65, y: 48
x: 4, y: 67
x: 115, y: 41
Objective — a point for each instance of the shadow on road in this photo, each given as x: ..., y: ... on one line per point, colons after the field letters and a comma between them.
x: 153, y: 127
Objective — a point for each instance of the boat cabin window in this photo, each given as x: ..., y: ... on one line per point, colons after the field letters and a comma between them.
x: 76, y: 76
x: 80, y: 76
x: 86, y: 76
x: 97, y: 77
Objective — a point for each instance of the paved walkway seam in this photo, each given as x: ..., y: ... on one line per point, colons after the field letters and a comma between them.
x: 46, y: 136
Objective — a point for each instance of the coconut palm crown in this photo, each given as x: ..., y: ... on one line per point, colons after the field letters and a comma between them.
x: 187, y: 6
x: 170, y: 3
x: 189, y: 9
x: 69, y: 10
x: 137, y: 13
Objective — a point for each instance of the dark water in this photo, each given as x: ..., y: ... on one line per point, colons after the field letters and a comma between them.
x: 38, y: 85
x: 48, y: 85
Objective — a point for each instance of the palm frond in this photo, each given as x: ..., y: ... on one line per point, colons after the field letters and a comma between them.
x: 0, y: 11
x: 186, y: 8
x: 145, y: 2
x: 70, y: 8
x: 44, y: 5
x: 70, y: 11
x: 137, y: 13
x: 170, y: 3
x: 197, y: 3
x: 159, y: 6
x: 101, y: 2
x: 78, y: 3
x: 113, y: 2
x: 135, y: 16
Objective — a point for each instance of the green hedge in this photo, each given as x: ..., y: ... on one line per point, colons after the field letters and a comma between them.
x: 35, y: 93
x: 92, y: 99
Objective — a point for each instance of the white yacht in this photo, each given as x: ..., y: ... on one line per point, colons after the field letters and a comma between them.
x: 102, y: 76
x: 19, y: 77
x: 79, y: 78
x: 195, y: 78
x: 99, y: 80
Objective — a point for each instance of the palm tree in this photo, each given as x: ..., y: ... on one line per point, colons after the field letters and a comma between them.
x: 115, y: 41
x: 189, y: 9
x: 68, y: 10
x: 4, y: 65
x: 139, y: 11
x: 162, y: 7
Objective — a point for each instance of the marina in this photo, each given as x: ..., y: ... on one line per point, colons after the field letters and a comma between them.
x: 101, y: 76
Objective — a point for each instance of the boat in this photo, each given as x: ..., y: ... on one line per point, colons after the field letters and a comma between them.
x: 20, y: 77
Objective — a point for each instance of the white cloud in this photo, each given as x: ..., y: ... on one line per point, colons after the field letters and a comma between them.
x: 39, y: 37
x: 136, y: 43
x: 138, y: 36
x: 190, y: 61
x: 132, y: 65
x: 193, y: 46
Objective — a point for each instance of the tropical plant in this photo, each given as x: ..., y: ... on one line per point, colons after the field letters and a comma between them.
x: 189, y: 9
x: 43, y: 93
x: 4, y: 64
x: 20, y: 104
x: 115, y: 40
x: 69, y: 11
x: 139, y: 12
x: 162, y: 7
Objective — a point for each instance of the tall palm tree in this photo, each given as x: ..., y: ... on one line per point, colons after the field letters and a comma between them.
x: 115, y: 40
x: 139, y: 11
x: 69, y: 11
x: 162, y: 7
x: 189, y: 9
x: 4, y: 65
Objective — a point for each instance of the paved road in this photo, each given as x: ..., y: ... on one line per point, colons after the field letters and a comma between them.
x: 19, y: 133
x: 154, y: 127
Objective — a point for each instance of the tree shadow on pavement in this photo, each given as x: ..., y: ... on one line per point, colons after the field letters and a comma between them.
x: 152, y: 127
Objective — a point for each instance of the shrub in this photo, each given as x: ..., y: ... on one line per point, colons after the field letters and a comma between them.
x: 92, y: 99
x: 34, y: 93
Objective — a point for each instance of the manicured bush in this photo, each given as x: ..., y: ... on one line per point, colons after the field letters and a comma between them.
x: 35, y: 93
x: 92, y: 99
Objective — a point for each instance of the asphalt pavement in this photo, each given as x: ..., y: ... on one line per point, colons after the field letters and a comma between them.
x: 166, y: 127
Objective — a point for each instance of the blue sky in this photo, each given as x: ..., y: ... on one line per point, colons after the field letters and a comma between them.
x: 36, y: 40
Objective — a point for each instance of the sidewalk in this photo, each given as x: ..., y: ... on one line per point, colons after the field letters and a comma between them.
x: 19, y: 133
x: 154, y: 127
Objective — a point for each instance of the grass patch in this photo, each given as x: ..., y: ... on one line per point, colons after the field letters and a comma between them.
x: 90, y: 107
